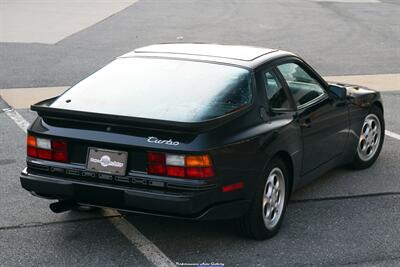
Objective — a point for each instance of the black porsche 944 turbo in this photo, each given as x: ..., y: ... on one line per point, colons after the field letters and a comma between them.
x: 199, y: 131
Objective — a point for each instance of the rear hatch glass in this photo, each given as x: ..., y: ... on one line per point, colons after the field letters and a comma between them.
x: 161, y: 89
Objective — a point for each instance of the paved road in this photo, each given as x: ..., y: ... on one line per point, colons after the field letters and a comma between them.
x: 346, y: 217
x: 337, y: 38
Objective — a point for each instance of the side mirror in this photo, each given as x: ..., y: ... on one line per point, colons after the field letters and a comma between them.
x: 338, y: 91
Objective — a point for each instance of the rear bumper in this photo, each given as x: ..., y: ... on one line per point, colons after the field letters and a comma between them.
x: 187, y: 205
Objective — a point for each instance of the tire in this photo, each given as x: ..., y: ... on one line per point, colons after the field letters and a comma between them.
x: 255, y: 224
x: 371, y: 139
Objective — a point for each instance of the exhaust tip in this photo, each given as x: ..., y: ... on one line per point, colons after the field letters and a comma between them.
x: 62, y: 206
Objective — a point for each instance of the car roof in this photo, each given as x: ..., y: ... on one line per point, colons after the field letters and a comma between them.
x: 245, y: 56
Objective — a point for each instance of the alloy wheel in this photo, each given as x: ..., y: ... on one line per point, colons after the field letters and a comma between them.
x: 273, y: 198
x: 369, y: 138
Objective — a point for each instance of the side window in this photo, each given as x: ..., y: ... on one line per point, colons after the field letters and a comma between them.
x: 301, y: 85
x: 277, y: 97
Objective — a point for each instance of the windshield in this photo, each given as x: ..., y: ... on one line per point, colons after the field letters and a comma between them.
x: 163, y: 89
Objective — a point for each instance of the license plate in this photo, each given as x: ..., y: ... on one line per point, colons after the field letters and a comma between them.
x: 107, y: 161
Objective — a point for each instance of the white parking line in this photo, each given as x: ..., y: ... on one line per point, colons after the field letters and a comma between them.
x: 17, y: 118
x: 392, y: 134
x: 144, y: 245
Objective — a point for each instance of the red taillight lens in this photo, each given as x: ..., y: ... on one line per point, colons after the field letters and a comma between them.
x: 156, y: 163
x: 199, y: 172
x: 176, y: 171
x: 188, y: 166
x: 60, y: 150
x: 47, y: 149
x: 60, y: 156
x: 154, y: 157
x: 157, y: 169
x: 31, y: 151
x: 59, y: 145
x: 44, y: 154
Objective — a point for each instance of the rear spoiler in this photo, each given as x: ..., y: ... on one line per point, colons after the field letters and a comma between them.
x: 45, y: 111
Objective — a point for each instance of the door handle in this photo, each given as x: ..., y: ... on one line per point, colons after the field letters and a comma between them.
x: 305, y: 123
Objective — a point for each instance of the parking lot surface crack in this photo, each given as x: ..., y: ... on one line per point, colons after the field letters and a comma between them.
x: 345, y: 197
x: 39, y: 224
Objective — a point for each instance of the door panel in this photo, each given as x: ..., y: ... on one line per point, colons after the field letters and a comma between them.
x: 324, y: 127
x: 323, y: 121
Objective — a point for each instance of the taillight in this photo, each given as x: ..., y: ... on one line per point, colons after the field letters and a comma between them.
x: 200, y: 172
x: 176, y: 171
x: 156, y: 163
x: 198, y: 161
x: 48, y: 149
x: 186, y: 166
x: 60, y: 150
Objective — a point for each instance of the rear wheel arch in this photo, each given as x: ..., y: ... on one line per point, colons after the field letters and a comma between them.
x: 287, y: 160
x: 256, y: 223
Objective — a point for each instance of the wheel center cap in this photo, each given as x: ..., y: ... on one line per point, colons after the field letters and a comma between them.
x: 273, y: 198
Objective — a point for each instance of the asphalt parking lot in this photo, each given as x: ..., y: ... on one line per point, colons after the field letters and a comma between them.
x: 345, y: 218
